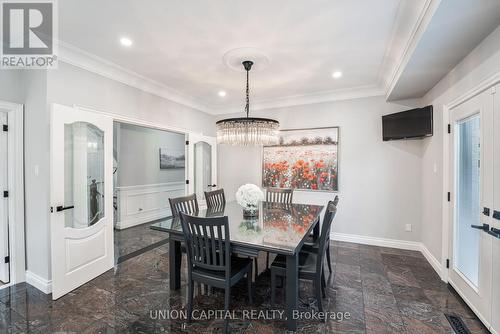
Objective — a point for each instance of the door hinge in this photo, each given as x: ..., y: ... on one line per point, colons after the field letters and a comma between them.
x: 187, y: 142
x: 447, y: 263
x: 187, y: 181
x: 5, y: 127
x: 449, y: 128
x: 449, y: 196
x: 5, y: 194
x: 7, y: 259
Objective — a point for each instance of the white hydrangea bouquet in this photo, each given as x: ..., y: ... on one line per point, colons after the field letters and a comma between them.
x: 248, y: 196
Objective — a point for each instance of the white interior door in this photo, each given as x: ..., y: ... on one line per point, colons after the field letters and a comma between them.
x: 4, y: 204
x: 472, y: 179
x: 81, y: 197
x: 495, y: 221
x: 202, y: 166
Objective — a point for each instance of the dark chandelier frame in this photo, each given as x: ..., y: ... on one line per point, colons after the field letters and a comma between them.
x: 246, y: 121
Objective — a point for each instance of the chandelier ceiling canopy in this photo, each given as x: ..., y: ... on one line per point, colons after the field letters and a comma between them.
x: 245, y: 131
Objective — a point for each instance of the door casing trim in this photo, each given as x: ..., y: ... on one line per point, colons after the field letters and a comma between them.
x: 15, y: 119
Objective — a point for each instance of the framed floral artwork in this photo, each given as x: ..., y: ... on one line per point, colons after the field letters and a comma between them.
x: 304, y: 159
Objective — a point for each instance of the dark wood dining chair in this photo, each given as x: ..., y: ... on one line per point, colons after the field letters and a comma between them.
x: 210, y: 261
x: 215, y: 199
x: 312, y: 245
x: 187, y: 204
x: 310, y: 263
x: 281, y: 196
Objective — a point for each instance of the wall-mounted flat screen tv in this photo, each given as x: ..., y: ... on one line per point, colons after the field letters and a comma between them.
x: 410, y: 124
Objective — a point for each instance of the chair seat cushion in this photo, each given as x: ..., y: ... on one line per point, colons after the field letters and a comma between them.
x: 238, y: 265
x: 307, y: 262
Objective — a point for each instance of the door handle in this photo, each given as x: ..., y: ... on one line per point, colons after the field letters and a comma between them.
x: 212, y: 185
x: 494, y: 232
x: 484, y: 227
x: 62, y: 208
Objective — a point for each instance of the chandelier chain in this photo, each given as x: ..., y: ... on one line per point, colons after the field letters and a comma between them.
x: 247, y: 130
x: 247, y: 106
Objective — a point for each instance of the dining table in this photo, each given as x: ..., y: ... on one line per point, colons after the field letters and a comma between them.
x: 278, y: 228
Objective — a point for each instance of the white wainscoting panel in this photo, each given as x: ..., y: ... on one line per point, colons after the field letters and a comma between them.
x: 144, y: 203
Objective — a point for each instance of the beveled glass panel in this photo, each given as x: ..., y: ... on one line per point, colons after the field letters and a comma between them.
x: 468, y: 201
x: 83, y: 174
x: 279, y: 227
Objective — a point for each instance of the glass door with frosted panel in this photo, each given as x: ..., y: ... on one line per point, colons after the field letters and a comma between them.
x: 81, y: 196
x: 472, y: 190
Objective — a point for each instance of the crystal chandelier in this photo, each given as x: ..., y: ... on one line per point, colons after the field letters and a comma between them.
x: 246, y: 131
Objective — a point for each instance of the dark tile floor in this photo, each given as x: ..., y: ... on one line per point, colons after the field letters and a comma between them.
x: 384, y: 290
x: 131, y: 241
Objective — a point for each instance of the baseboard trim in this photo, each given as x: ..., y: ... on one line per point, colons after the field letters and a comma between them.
x: 39, y: 282
x: 391, y: 243
x: 375, y: 241
x: 121, y: 225
x: 438, y: 267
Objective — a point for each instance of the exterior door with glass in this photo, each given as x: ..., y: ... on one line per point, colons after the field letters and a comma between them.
x: 202, y: 166
x: 472, y: 191
x: 495, y: 221
x: 4, y: 202
x: 81, y: 197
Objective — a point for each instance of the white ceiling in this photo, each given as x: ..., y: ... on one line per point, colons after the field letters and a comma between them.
x: 455, y: 30
x: 181, y: 44
x: 178, y: 46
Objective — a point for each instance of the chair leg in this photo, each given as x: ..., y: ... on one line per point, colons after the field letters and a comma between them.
x: 328, y: 259
x: 256, y: 262
x: 323, y: 283
x: 190, y: 299
x: 273, y: 287
x: 249, y: 282
x: 317, y: 288
x: 227, y: 297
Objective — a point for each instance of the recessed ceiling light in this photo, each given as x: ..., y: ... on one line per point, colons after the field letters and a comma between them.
x: 337, y: 74
x: 222, y: 93
x: 125, y: 41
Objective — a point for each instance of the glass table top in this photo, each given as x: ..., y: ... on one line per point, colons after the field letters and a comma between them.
x: 279, y: 227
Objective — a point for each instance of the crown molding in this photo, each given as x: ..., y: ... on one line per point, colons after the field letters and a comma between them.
x: 74, y: 56
x: 389, y: 78
x: 298, y: 100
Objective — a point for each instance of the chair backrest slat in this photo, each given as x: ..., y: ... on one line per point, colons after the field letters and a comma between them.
x: 279, y: 195
x: 215, y: 199
x: 187, y: 204
x: 208, y: 242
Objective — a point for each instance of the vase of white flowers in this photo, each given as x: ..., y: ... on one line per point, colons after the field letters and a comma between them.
x: 248, y: 196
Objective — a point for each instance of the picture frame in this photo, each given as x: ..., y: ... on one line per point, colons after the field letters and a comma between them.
x: 304, y: 159
x: 172, y: 159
